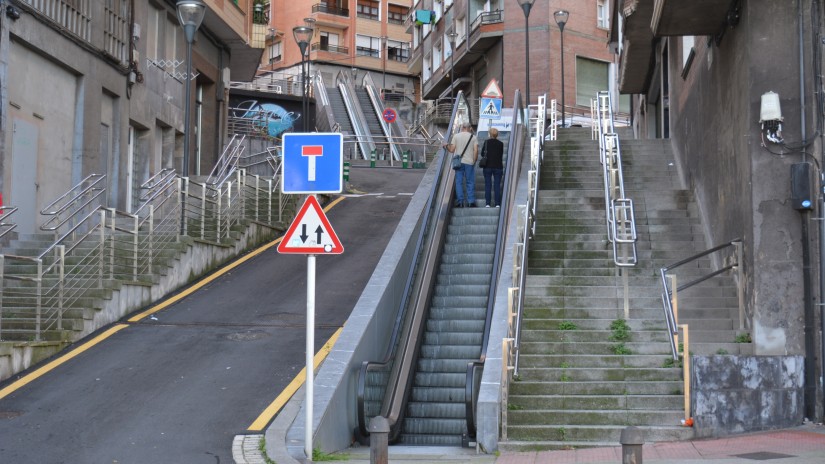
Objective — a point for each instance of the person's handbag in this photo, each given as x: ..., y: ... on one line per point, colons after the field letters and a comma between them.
x: 482, y: 162
x: 456, y: 161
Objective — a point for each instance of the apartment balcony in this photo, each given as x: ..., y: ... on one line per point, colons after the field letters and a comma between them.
x: 636, y: 60
x: 324, y: 52
x: 331, y: 16
x: 486, y: 30
x: 696, y: 17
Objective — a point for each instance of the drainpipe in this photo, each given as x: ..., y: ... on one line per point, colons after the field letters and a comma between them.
x: 811, y: 384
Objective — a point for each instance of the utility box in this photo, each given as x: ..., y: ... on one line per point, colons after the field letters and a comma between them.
x: 803, y: 191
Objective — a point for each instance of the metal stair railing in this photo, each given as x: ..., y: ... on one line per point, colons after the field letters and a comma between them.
x: 228, y: 161
x: 553, y: 120
x: 619, y: 216
x: 670, y: 290
x: 86, y: 196
x: 395, y: 369
x: 5, y: 226
x: 521, y: 129
x: 94, y: 244
x: 327, y: 119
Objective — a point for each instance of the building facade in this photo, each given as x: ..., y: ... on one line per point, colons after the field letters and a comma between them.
x: 492, y: 42
x: 354, y: 36
x: 736, y: 88
x: 93, y: 87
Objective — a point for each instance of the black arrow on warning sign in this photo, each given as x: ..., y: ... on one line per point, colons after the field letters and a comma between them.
x: 319, y: 231
x: 304, y: 235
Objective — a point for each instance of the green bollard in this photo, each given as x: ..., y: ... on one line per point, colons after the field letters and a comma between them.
x: 346, y: 171
x: 372, y: 158
x: 405, y: 158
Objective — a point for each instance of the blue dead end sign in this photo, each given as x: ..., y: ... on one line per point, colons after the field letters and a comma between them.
x: 390, y: 115
x: 313, y: 163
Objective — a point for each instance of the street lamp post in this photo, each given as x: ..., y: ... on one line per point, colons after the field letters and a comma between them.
x: 310, y: 23
x: 303, y: 35
x: 451, y: 36
x: 383, y: 65
x: 561, y: 17
x: 526, y: 6
x: 190, y: 16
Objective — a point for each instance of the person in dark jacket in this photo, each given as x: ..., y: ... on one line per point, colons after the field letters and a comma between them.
x: 494, y: 170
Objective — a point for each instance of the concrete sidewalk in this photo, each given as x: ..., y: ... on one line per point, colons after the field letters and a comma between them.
x: 801, y: 445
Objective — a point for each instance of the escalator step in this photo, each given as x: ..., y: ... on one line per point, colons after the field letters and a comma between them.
x: 442, y: 394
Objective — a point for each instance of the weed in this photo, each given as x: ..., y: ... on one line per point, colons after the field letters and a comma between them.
x: 514, y: 407
x: 562, y: 433
x: 721, y: 351
x: 681, y: 347
x: 565, y: 378
x: 567, y: 325
x: 517, y: 378
x: 621, y: 331
x: 743, y: 338
x: 564, y: 365
x: 318, y: 455
x: 620, y: 349
x: 669, y: 362
x: 262, y: 449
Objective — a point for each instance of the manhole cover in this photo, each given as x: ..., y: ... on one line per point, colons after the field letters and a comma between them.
x: 763, y: 456
x: 248, y: 336
x: 10, y: 414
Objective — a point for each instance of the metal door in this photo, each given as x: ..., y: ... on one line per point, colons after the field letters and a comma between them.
x: 24, y: 175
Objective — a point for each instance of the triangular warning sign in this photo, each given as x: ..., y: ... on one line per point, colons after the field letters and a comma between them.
x: 490, y: 109
x: 310, y: 233
x: 492, y: 90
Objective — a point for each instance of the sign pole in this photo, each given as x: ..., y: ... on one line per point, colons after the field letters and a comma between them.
x: 310, y: 353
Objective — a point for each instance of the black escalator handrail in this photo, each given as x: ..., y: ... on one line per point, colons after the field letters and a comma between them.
x: 442, y: 176
x: 515, y: 155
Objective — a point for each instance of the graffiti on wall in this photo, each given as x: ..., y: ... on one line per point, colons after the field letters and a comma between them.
x: 269, y: 118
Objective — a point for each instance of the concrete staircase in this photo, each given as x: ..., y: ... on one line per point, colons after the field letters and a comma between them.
x: 586, y: 370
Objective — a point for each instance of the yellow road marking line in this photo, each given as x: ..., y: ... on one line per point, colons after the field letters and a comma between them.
x: 41, y: 371
x: 174, y: 299
x: 266, y: 416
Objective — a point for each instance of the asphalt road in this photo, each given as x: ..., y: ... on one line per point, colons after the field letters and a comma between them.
x: 177, y: 387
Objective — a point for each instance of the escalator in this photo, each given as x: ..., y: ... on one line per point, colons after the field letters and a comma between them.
x: 426, y: 384
x: 339, y: 110
x: 436, y: 411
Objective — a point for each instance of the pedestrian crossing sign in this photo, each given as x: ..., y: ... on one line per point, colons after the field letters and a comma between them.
x: 490, y: 108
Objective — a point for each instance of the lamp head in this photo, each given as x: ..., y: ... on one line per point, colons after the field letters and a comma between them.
x: 451, y: 37
x: 526, y: 6
x: 302, y: 36
x: 190, y: 16
x: 561, y: 17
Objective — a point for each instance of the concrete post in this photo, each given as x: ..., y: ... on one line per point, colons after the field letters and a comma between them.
x: 379, y: 430
x: 632, y: 441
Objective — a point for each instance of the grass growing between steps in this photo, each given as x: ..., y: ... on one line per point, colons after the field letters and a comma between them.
x: 620, y: 332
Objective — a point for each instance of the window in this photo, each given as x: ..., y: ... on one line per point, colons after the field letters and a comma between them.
x: 602, y: 17
x: 369, y: 9
x: 368, y: 46
x: 396, y: 14
x: 398, y: 51
x: 275, y: 52
x: 591, y: 78
x: 437, y: 55
x: 428, y: 67
x: 328, y: 41
x: 438, y: 6
x: 688, y: 53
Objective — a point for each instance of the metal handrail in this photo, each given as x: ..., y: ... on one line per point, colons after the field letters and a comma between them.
x: 5, y: 213
x: 667, y: 292
x: 78, y: 198
x: 514, y: 158
x: 104, y: 243
x: 400, y: 353
x: 619, y: 217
